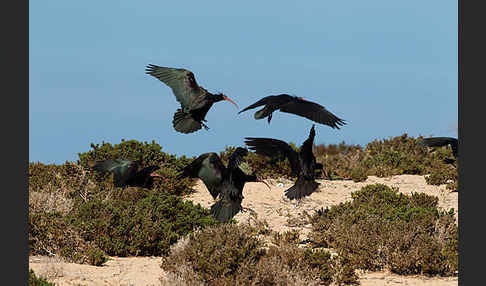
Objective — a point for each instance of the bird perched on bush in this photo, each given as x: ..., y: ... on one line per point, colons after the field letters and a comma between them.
x: 126, y: 172
x: 295, y: 105
x: 443, y: 141
x: 195, y: 100
x: 225, y: 182
x: 302, y: 164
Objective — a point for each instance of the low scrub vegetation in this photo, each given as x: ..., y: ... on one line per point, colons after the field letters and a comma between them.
x: 78, y: 214
x: 34, y: 280
x: 381, y: 229
x: 232, y: 254
x: 137, y: 221
x: 395, y: 156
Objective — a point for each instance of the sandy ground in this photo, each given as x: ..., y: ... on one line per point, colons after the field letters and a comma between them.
x: 269, y: 205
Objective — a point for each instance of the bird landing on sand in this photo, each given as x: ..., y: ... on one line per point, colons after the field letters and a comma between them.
x: 224, y: 182
x: 303, y: 164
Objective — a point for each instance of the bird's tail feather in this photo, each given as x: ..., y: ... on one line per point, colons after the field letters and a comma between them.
x: 224, y: 210
x: 302, y: 187
x: 184, y: 123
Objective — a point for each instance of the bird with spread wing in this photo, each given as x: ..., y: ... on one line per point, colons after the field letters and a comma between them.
x: 303, y: 164
x: 295, y: 105
x: 443, y: 141
x: 195, y: 100
x: 224, y: 182
x: 126, y: 172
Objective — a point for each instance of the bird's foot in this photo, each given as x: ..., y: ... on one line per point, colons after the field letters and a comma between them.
x: 204, y: 125
x: 297, y: 203
x: 244, y: 209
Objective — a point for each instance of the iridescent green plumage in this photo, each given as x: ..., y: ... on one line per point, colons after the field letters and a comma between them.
x: 126, y: 173
x: 195, y: 100
x: 224, y: 182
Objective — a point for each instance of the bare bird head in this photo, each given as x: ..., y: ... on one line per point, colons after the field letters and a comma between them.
x: 153, y: 174
x: 221, y: 96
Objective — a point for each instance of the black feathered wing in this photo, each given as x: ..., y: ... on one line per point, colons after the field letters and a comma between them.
x: 234, y: 172
x: 312, y: 111
x: 235, y: 159
x: 231, y: 189
x: 123, y: 170
x: 261, y: 102
x: 181, y: 81
x: 272, y: 148
x: 441, y: 141
x: 210, y: 169
x: 307, y: 156
x: 227, y: 206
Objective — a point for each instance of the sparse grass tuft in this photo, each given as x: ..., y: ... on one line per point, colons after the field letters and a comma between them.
x: 38, y: 281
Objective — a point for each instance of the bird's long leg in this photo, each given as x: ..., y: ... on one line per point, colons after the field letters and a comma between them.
x: 269, y: 118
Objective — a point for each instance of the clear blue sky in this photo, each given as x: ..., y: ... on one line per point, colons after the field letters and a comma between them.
x: 387, y: 67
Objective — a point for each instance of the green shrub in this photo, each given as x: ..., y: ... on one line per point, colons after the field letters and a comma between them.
x: 262, y: 166
x: 78, y: 214
x: 233, y: 254
x: 50, y: 234
x: 382, y: 228
x: 66, y: 179
x: 218, y: 252
x: 38, y: 281
x: 358, y: 174
x: 395, y: 156
x: 447, y: 175
x: 148, y: 154
x: 137, y: 221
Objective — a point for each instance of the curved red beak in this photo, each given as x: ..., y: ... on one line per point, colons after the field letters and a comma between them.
x: 228, y: 99
x: 262, y: 181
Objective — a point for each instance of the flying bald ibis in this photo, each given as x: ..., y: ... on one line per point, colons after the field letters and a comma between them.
x: 302, y: 164
x: 126, y: 172
x: 225, y: 182
x: 195, y: 100
x: 295, y: 105
x: 442, y: 141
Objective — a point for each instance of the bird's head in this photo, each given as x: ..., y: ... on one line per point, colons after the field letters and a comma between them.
x: 153, y: 174
x: 152, y: 171
x: 221, y: 96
